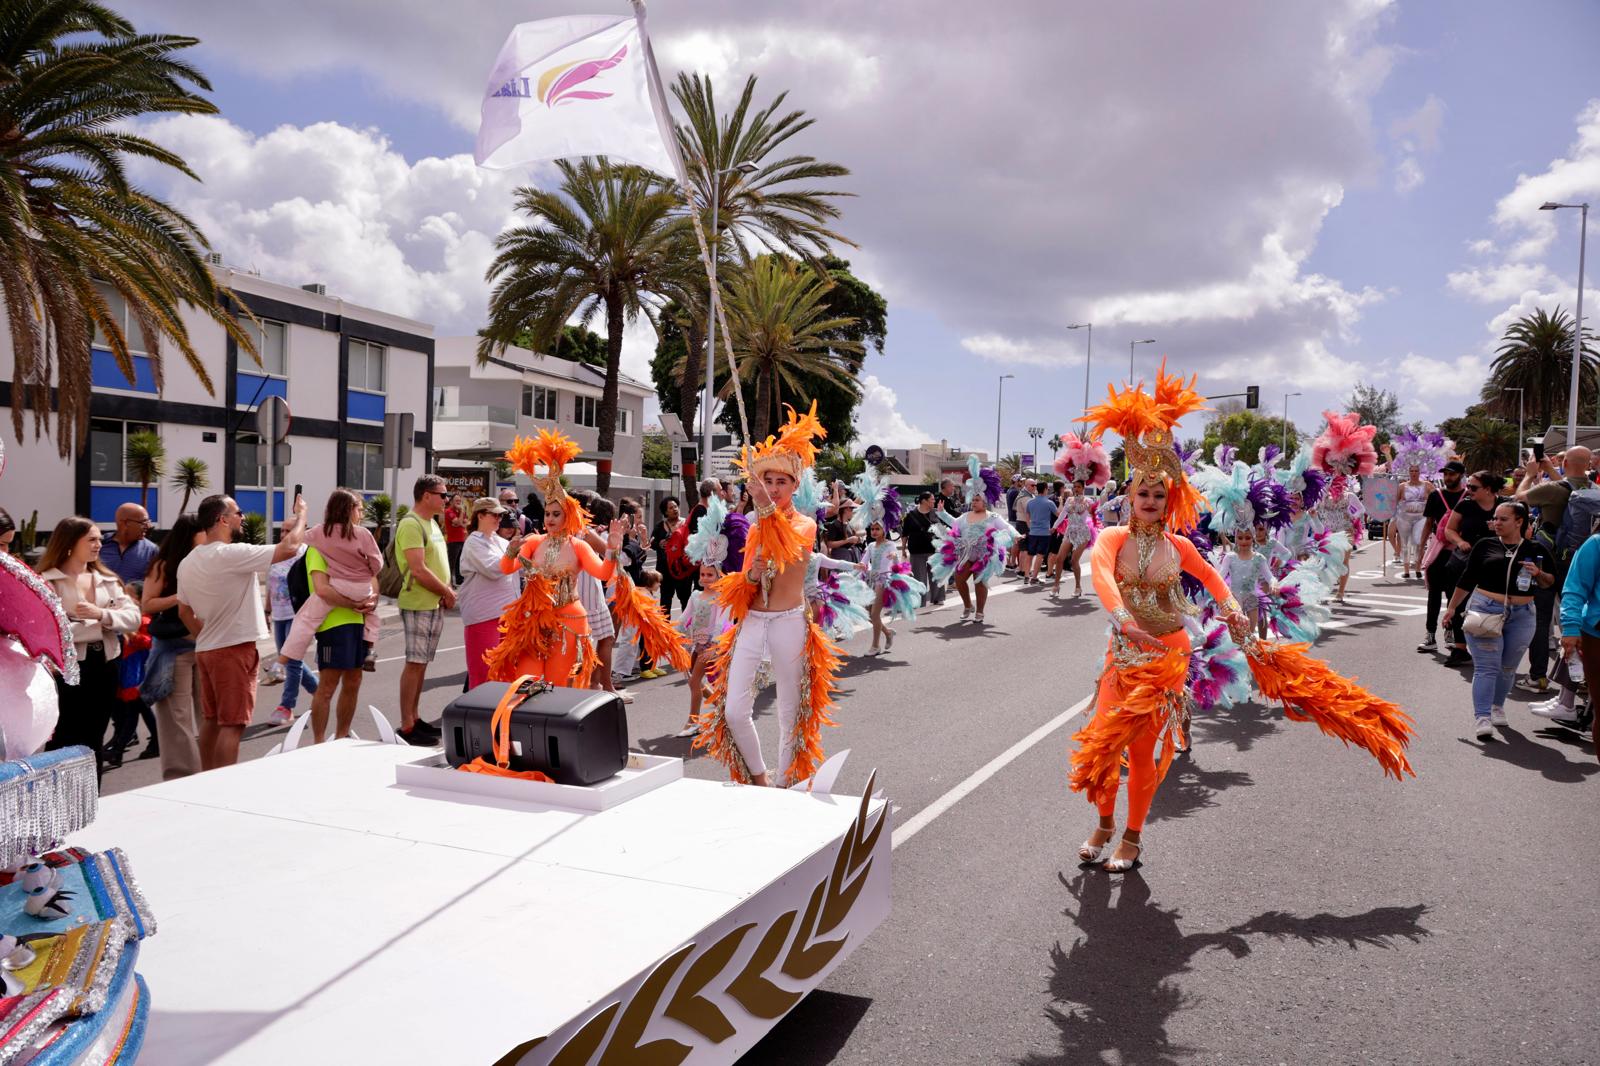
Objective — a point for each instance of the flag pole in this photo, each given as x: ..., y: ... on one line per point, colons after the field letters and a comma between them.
x: 669, y: 135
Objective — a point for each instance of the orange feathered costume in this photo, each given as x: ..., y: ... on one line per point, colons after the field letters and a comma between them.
x: 1140, y: 698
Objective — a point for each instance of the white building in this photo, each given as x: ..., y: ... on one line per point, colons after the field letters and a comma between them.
x: 339, y: 366
x: 479, y: 410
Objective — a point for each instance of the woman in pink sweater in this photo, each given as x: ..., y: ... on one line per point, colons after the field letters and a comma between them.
x: 353, y: 562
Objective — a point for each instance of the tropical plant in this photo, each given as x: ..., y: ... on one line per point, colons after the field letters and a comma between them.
x: 1377, y: 407
x: 1008, y: 466
x: 599, y: 245
x: 192, y: 476
x: 1486, y: 443
x: 1535, y: 355
x: 656, y: 455
x: 783, y: 336
x: 146, y: 458
x: 86, y: 257
x: 1055, y: 443
x: 253, y: 528
x: 378, y: 510
x: 27, y: 537
x: 1248, y: 432
x: 835, y: 463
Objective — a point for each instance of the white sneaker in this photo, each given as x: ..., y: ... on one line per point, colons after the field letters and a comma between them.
x: 1553, y: 710
x: 1497, y: 715
x: 1484, y: 728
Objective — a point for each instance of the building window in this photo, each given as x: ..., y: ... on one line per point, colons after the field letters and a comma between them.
x: 539, y: 402
x: 367, y: 366
x: 363, y: 466
x: 585, y: 411
x: 108, y: 449
x: 446, y: 401
x: 246, y: 474
x: 271, y: 341
x: 624, y: 422
x: 131, y: 333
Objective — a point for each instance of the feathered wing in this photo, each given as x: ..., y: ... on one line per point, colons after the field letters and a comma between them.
x: 1345, y: 445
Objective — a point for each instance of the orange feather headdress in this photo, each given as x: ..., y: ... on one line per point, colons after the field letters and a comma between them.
x: 1144, y: 421
x: 792, y: 450
x: 553, y: 451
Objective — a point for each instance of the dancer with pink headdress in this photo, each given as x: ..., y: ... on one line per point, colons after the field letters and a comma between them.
x: 1084, y: 464
x: 1344, y: 450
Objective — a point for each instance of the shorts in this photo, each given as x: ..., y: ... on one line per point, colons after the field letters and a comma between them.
x: 423, y: 629
x: 1038, y: 544
x: 600, y: 625
x: 345, y: 647
x: 228, y: 683
x: 1021, y: 528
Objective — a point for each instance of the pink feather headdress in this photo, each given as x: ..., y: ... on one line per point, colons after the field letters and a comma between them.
x: 1083, y: 460
x: 1345, y: 446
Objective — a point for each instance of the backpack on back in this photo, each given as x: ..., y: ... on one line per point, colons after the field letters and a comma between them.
x: 1578, y: 521
x: 679, y: 565
x: 299, y: 583
x: 394, y: 578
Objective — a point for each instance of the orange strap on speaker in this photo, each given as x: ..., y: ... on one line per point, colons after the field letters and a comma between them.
x: 500, y: 734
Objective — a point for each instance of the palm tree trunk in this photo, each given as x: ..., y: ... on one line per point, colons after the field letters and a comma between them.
x: 777, y: 399
x: 144, y: 493
x: 608, y: 397
x: 762, y: 428
x: 694, y: 373
x: 184, y: 506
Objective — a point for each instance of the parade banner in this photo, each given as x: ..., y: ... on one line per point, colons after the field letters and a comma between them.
x: 1381, y: 495
x: 571, y: 86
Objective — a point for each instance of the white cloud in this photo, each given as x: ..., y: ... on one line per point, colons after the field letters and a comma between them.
x: 1000, y: 349
x: 1416, y: 135
x: 1504, y: 281
x: 878, y: 420
x: 1408, y: 175
x: 1482, y: 246
x: 1429, y: 378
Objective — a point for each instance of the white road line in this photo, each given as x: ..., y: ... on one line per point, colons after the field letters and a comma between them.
x: 924, y: 817
x: 441, y: 651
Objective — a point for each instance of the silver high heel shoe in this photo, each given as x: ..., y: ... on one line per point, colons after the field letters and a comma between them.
x: 1090, y: 853
x: 1122, y: 866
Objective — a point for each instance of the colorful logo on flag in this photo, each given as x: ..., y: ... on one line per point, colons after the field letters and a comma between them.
x: 559, y: 84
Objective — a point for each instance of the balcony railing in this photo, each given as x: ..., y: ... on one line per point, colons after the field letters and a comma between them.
x: 501, y: 416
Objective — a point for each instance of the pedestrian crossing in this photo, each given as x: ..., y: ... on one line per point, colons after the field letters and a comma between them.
x: 1364, y: 607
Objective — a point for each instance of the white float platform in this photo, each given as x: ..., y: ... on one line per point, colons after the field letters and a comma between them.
x: 311, y: 909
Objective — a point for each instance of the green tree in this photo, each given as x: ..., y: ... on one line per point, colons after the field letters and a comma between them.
x: 147, y: 460
x: 1485, y: 443
x: 1008, y: 467
x: 836, y: 463
x: 192, y: 476
x: 784, y: 337
x: 74, y: 79
x: 1248, y: 432
x: 1535, y: 355
x: 599, y: 245
x: 1377, y: 407
x: 657, y: 455
x: 576, y: 345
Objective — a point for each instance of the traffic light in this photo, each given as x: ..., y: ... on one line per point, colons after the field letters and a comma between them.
x: 1252, y: 397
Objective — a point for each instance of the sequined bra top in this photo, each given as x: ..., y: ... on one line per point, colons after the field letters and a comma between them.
x: 547, y: 563
x: 1156, y: 600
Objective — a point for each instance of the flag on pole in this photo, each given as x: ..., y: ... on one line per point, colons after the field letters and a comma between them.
x: 573, y: 86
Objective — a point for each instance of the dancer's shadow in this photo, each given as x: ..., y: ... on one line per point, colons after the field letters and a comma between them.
x: 861, y: 663
x: 1115, y: 990
x: 964, y: 631
x: 1190, y: 788
x: 1241, y: 725
x: 1070, y: 608
x: 1516, y: 749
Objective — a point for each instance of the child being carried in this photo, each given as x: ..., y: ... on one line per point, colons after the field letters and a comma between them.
x: 353, y: 561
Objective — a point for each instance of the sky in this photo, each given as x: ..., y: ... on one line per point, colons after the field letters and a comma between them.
x: 1292, y: 196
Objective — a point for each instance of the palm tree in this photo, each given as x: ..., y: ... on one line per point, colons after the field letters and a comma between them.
x: 1535, y: 355
x: 775, y: 206
x: 74, y: 78
x: 782, y: 334
x: 1055, y: 443
x: 193, y: 476
x: 147, y: 461
x: 1008, y: 467
x: 1487, y: 443
x: 602, y: 243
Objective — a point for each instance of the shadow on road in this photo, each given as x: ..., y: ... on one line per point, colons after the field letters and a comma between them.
x: 1189, y: 788
x: 455, y: 681
x: 1516, y: 749
x: 1240, y: 726
x: 813, y: 1033
x: 1114, y: 988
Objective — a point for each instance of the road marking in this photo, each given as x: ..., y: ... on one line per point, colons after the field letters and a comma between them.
x: 441, y: 651
x: 922, y: 818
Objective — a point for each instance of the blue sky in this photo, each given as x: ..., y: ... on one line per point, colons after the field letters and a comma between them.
x: 1279, y: 194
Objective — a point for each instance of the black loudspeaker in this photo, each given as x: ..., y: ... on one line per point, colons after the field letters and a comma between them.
x: 576, y: 735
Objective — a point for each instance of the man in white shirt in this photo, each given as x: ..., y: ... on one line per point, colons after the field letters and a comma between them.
x: 219, y: 599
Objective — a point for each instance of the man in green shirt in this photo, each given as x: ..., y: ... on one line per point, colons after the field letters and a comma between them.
x: 424, y: 598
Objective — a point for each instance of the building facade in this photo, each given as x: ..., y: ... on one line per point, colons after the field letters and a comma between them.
x: 929, y: 464
x: 340, y: 368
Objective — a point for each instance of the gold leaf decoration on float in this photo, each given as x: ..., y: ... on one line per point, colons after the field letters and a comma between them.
x: 829, y: 904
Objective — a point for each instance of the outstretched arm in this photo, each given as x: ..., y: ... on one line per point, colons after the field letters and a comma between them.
x: 592, y: 564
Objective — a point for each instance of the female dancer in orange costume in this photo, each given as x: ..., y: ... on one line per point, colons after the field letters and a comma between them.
x: 546, y: 631
x: 1142, y: 694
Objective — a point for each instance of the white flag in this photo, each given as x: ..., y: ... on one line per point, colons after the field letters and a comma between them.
x: 572, y: 86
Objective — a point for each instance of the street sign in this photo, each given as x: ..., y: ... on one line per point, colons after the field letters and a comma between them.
x: 874, y: 455
x: 272, y: 418
x: 399, y: 433
x: 275, y: 455
x: 1027, y: 459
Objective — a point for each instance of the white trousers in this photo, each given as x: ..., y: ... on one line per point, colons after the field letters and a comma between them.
x: 781, y: 637
x: 1409, y: 528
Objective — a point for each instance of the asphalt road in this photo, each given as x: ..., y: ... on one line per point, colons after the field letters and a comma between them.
x: 1295, y: 906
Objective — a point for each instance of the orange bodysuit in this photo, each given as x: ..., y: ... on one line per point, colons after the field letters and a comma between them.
x: 1141, y: 691
x: 545, y: 632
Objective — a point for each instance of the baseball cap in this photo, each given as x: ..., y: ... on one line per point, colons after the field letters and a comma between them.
x: 1455, y: 466
x: 487, y: 503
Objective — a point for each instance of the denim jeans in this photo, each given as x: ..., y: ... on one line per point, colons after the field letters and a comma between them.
x: 1495, y: 659
x: 296, y: 674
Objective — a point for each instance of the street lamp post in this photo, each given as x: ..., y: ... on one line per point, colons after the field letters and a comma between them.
x: 998, y: 400
x: 1286, y: 396
x: 1131, y: 345
x: 1088, y: 361
x: 1577, y: 326
x: 1036, y: 432
x: 738, y: 170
